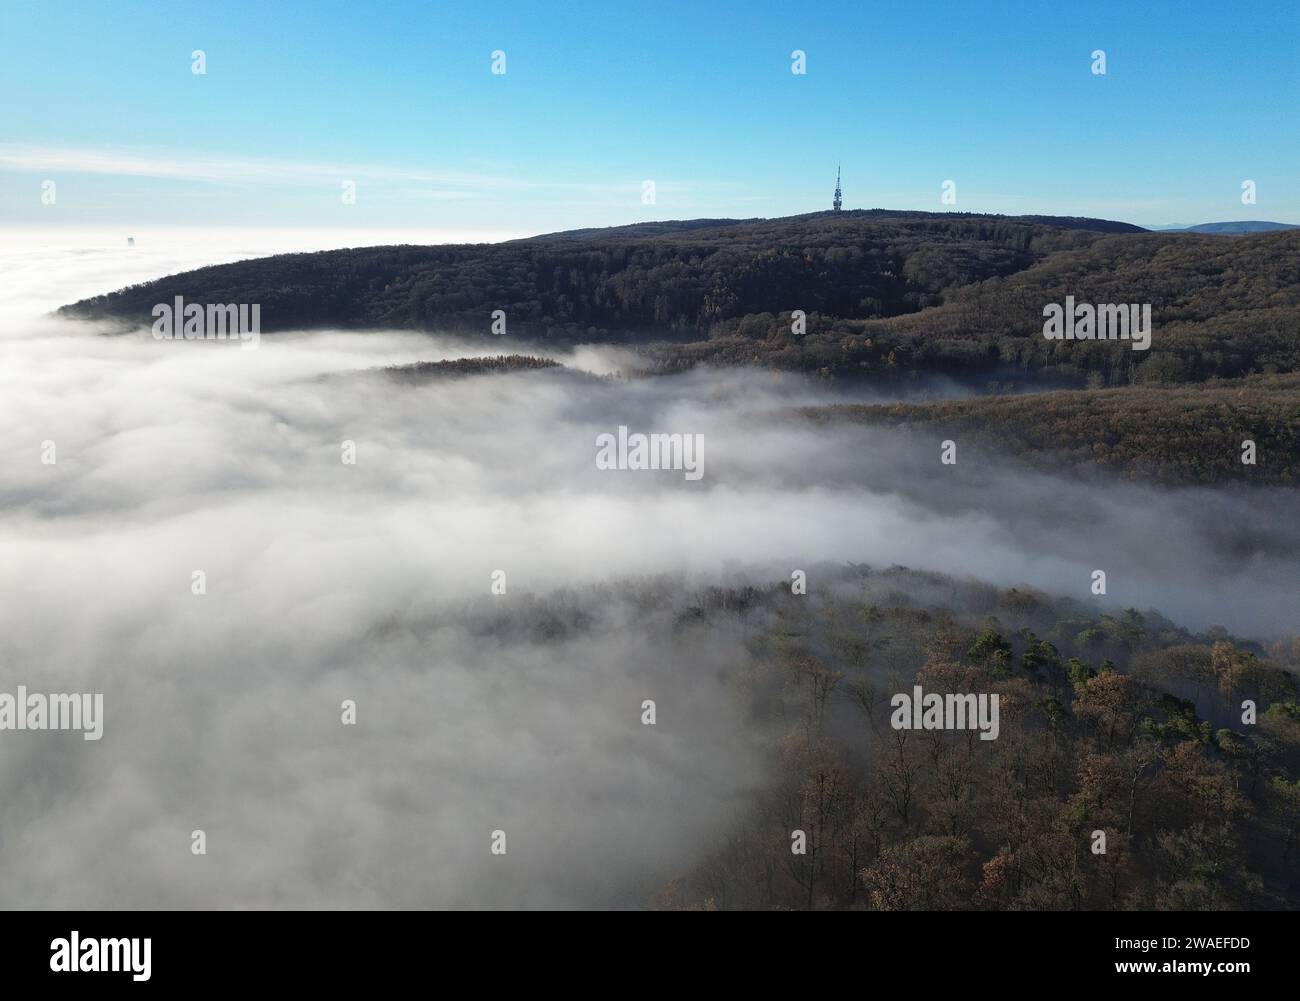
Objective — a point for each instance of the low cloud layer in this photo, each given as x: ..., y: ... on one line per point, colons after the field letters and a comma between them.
x: 371, y: 582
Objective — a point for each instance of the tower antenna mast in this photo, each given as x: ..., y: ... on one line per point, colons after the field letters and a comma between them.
x: 839, y: 201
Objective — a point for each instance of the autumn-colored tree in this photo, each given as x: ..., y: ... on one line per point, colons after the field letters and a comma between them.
x: 926, y: 873
x: 1110, y: 702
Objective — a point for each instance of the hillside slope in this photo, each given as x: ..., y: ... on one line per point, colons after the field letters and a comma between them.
x: 1174, y: 435
x: 884, y: 293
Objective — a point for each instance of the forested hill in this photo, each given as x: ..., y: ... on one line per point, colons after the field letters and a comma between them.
x: 647, y: 281
x: 884, y: 293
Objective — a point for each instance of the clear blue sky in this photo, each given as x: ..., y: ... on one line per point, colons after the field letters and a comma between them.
x: 598, y: 97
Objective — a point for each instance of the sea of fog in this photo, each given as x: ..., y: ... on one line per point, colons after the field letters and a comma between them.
x: 327, y: 581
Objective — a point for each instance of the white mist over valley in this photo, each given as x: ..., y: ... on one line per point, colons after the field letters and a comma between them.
x: 370, y: 582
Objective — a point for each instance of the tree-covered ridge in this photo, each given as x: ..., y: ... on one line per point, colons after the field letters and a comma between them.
x: 424, y: 371
x: 847, y: 217
x: 884, y: 294
x: 1118, y: 723
x: 676, y: 283
x: 1171, y: 434
x: 1224, y: 308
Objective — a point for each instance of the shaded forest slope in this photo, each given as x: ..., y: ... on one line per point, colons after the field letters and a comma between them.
x: 1169, y: 434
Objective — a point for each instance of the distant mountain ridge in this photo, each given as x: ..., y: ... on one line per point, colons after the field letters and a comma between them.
x: 1230, y: 228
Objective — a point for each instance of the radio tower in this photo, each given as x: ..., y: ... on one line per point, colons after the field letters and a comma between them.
x: 838, y: 199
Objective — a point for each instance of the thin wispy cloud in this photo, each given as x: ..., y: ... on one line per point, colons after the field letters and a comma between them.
x: 227, y: 169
